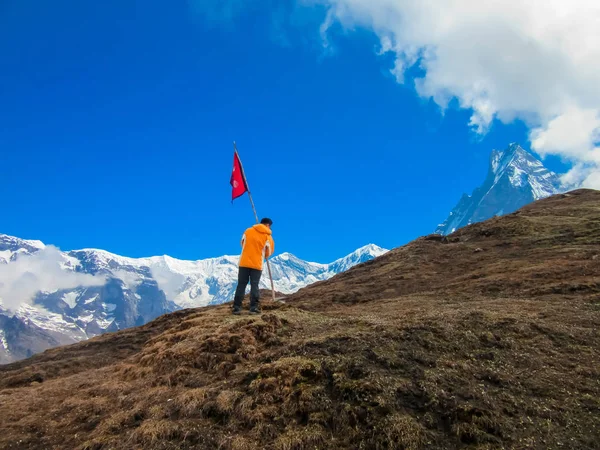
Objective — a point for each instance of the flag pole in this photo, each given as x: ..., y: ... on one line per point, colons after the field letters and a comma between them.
x: 256, y: 217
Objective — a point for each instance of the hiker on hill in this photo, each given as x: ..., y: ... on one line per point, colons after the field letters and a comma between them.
x: 257, y: 244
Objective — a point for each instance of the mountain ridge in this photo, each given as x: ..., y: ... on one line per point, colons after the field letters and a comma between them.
x: 515, y: 178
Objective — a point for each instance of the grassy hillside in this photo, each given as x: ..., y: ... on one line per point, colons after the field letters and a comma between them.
x: 488, y: 338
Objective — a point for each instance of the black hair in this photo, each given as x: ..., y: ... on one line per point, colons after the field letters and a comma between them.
x: 266, y: 221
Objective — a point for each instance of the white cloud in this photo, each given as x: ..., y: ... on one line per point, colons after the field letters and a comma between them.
x: 592, y: 178
x: 168, y: 281
x: 536, y: 60
x: 583, y: 174
x: 130, y: 279
x: 574, y: 133
x: 329, y: 20
x: 23, y: 278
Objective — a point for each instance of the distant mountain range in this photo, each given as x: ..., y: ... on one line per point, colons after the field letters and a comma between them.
x: 50, y: 298
x: 515, y: 179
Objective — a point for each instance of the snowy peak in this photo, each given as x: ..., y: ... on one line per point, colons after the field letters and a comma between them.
x: 516, y: 178
x: 523, y: 170
x: 291, y: 273
x: 11, y: 247
x: 16, y: 243
x: 513, y: 156
x: 370, y: 249
x: 359, y: 256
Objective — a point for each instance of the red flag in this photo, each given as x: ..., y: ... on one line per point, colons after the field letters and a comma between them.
x: 238, y: 180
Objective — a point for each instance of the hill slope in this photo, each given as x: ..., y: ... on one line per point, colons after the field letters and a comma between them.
x: 487, y: 338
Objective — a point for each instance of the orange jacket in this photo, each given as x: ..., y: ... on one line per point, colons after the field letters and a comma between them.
x: 257, y: 244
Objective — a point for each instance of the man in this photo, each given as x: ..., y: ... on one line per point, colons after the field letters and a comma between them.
x: 257, y: 244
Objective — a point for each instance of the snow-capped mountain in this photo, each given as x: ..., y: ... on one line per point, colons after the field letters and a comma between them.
x: 12, y: 247
x: 49, y: 297
x: 515, y: 178
x: 291, y: 273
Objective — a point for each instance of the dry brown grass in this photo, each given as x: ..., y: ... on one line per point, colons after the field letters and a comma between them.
x: 434, y: 345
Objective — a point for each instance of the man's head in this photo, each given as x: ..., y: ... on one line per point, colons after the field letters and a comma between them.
x: 267, y: 222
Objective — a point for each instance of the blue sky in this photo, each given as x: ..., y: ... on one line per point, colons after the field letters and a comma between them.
x: 117, y: 120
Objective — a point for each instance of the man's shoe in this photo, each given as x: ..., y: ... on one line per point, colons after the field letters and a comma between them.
x: 255, y: 311
x: 237, y: 311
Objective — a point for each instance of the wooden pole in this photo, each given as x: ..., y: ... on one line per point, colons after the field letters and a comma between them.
x: 257, y: 221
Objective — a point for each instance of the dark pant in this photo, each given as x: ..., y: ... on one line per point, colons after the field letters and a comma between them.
x: 244, y: 275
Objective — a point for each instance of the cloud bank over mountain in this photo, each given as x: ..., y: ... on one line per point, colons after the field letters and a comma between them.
x: 47, y: 270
